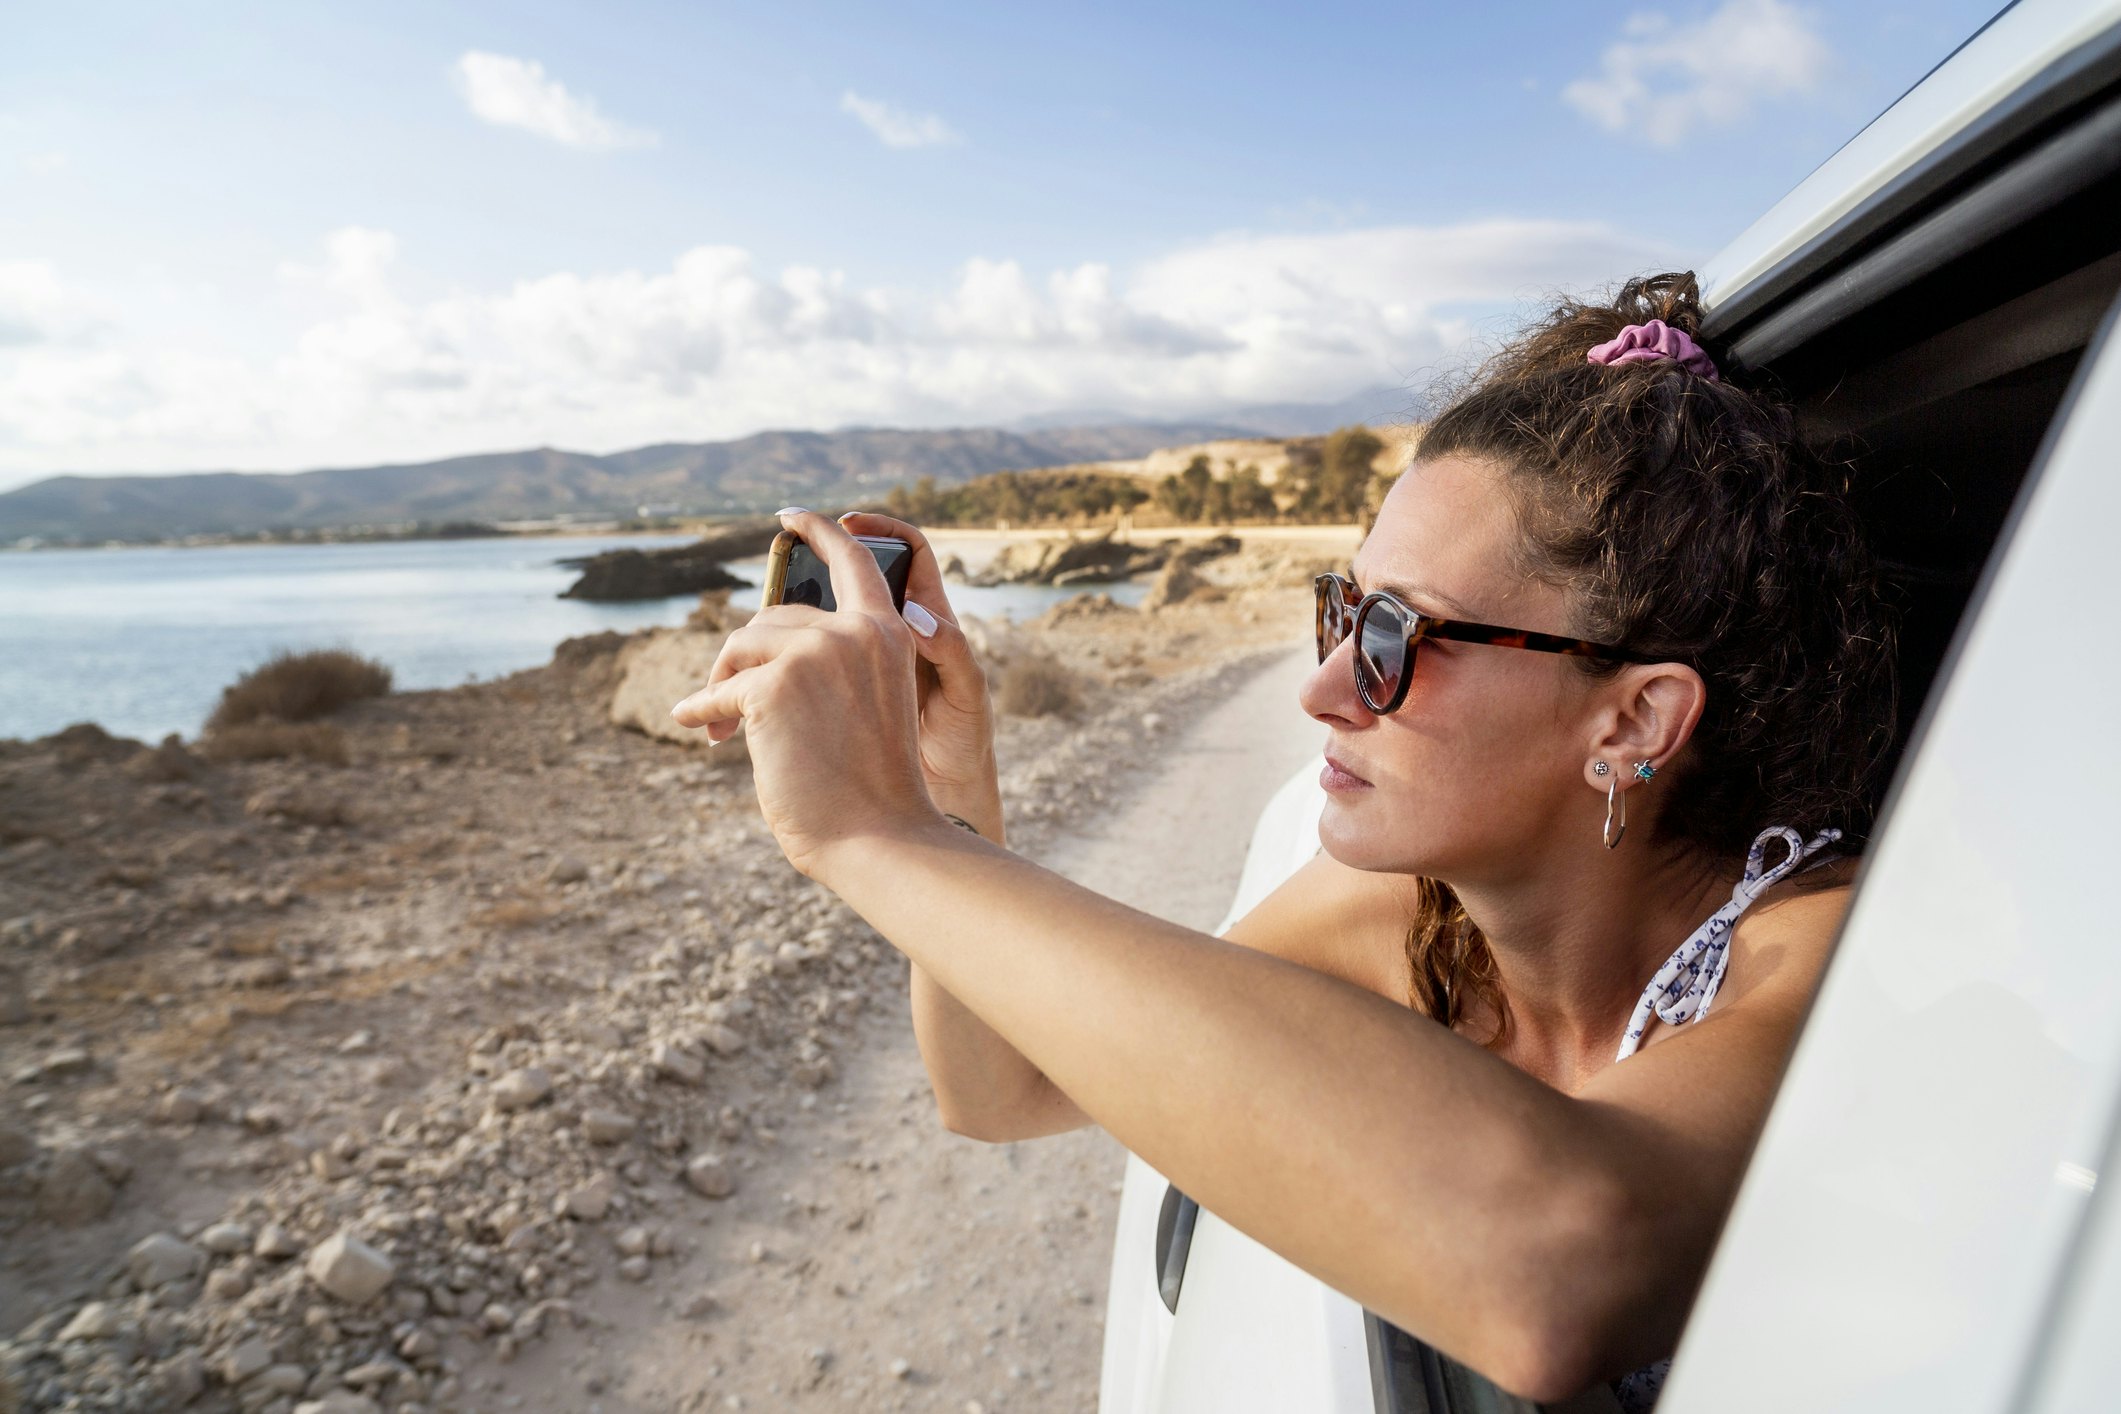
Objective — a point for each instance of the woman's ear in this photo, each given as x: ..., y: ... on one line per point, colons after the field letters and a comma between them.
x: 1646, y: 713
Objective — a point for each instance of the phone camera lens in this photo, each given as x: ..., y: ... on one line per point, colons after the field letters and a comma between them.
x: 807, y: 592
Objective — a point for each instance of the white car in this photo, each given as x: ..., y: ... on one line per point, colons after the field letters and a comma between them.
x: 1922, y: 1227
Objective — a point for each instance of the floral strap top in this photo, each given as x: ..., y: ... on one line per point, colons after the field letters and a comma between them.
x: 1682, y: 991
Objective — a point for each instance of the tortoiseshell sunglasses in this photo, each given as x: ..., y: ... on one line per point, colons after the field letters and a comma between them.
x: 1387, y: 633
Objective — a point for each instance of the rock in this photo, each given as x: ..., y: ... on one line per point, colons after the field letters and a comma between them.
x: 98, y: 1320
x: 159, y: 1259
x: 710, y: 1175
x: 520, y: 1089
x: 1178, y: 582
x: 114, y: 1164
x: 900, y: 1367
x: 1096, y: 559
x: 349, y: 1268
x: 607, y: 1126
x: 299, y: 805
x: 373, y: 1372
x: 566, y: 870
x: 257, y: 973
x: 633, y: 1242
x: 178, y: 1380
x: 74, y: 1191
x: 674, y: 1064
x: 340, y: 1401
x: 227, y: 1284
x: 634, y: 1268
x: 281, y: 1379
x: 226, y: 1239
x: 722, y: 1040
x: 623, y: 575
x: 16, y: 1145
x: 497, y: 1317
x: 180, y: 1106
x: 264, y: 1119
x: 245, y: 1359
x: 590, y: 1201
x: 330, y: 1165
x: 358, y: 1044
x: 813, y: 1071
x: 654, y: 672
x: 67, y: 1060
x: 275, y: 1243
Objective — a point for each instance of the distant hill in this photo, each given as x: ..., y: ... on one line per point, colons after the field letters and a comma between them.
x: 757, y: 473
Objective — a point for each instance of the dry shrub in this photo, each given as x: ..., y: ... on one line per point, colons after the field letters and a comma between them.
x: 1039, y: 686
x: 270, y: 739
x: 299, y: 687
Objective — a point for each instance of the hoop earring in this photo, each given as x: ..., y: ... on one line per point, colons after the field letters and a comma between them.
x: 1616, y: 815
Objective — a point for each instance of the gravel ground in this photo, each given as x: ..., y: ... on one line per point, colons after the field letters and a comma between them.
x: 510, y: 1067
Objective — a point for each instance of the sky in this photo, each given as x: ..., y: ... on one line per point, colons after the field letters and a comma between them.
x: 276, y: 236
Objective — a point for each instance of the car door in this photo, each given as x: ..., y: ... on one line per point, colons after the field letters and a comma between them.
x: 1904, y: 1238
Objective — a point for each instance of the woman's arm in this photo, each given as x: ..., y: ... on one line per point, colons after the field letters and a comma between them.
x: 1326, y: 917
x: 1546, y: 1240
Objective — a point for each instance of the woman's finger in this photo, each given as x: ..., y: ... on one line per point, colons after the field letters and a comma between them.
x: 721, y: 705
x: 924, y: 578
x: 769, y: 632
x: 943, y: 644
x: 857, y: 583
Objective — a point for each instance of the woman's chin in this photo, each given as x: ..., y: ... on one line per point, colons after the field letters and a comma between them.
x: 1344, y: 834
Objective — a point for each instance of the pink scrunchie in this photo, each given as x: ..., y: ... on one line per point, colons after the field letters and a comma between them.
x: 1646, y: 343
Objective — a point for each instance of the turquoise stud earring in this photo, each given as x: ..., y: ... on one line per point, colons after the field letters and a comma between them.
x: 1644, y: 770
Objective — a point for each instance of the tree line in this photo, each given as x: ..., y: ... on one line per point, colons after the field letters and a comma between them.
x: 1328, y: 480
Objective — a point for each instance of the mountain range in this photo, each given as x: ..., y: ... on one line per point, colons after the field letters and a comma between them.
x: 756, y: 473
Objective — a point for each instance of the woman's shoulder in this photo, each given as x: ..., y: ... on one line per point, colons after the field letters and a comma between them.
x: 1349, y: 923
x: 1781, y: 944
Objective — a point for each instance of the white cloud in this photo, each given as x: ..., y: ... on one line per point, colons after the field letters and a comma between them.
x: 715, y: 346
x: 517, y: 93
x: 1663, y: 81
x: 894, y: 126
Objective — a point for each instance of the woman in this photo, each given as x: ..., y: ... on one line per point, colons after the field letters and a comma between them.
x: 1612, y: 637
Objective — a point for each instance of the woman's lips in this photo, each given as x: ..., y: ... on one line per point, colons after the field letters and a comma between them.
x: 1336, y: 777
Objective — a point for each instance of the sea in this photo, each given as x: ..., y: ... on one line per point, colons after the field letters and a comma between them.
x: 141, y: 640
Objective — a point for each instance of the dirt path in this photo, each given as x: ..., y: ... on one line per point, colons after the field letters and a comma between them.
x: 980, y: 1266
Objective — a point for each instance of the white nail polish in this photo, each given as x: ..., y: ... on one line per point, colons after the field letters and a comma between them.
x: 919, y: 619
x: 793, y: 511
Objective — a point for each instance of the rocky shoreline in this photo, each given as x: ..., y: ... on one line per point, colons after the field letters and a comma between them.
x: 386, y: 1087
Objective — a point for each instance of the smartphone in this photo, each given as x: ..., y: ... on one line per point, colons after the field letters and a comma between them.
x: 795, y: 574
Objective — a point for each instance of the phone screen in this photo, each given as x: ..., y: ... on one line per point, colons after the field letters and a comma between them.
x: 809, y: 582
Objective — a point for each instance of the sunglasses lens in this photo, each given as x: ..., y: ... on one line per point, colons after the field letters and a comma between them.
x: 1333, y: 616
x: 1380, y: 653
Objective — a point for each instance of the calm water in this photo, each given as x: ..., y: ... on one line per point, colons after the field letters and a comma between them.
x: 141, y: 641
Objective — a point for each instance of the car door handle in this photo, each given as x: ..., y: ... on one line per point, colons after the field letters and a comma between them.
x: 1174, y: 1239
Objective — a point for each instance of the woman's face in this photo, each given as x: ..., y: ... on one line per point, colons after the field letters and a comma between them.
x: 1472, y: 776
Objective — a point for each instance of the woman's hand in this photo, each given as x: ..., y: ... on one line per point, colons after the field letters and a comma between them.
x: 957, y: 720
x: 829, y: 704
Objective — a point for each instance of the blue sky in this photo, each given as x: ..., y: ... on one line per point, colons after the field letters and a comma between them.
x: 272, y: 236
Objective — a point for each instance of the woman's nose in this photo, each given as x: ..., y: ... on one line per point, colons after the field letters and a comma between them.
x: 1329, y: 694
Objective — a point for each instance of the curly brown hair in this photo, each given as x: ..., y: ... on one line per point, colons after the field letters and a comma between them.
x: 1689, y: 519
